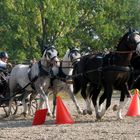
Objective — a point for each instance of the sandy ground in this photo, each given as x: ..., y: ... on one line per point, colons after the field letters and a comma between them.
x: 84, y: 128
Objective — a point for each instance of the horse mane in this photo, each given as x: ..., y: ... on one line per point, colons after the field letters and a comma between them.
x: 122, y: 39
x: 66, y: 58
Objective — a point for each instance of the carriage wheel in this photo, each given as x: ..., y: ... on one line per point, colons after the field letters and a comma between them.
x: 33, y: 107
x: 14, y: 108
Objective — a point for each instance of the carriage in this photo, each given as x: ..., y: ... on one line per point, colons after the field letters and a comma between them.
x: 18, y: 96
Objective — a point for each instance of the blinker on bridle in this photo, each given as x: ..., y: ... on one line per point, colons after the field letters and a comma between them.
x: 70, y: 55
x: 71, y: 52
x: 131, y: 41
x: 50, y: 48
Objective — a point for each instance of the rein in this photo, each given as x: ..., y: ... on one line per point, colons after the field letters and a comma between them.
x: 99, y: 69
x: 123, y: 52
x: 42, y: 71
x: 19, y: 91
x: 30, y: 83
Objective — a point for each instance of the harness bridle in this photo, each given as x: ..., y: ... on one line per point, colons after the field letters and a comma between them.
x: 61, y: 75
x: 42, y: 69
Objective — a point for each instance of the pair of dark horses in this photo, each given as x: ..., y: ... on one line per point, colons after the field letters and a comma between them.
x: 108, y: 72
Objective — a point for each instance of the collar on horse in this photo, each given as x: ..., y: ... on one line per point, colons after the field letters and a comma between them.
x: 61, y: 74
x: 43, y: 72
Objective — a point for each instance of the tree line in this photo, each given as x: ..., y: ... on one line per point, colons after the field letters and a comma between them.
x: 27, y: 25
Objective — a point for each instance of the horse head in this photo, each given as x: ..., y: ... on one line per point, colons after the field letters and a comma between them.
x: 51, y: 55
x: 131, y: 41
x: 73, y: 55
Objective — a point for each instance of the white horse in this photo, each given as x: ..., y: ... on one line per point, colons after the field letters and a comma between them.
x: 65, y: 70
x: 37, y: 77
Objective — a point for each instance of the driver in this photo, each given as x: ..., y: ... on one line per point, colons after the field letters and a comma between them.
x: 4, y: 61
x: 4, y: 65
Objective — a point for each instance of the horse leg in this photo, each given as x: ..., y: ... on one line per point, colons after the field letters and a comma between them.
x: 54, y: 104
x: 88, y: 99
x: 10, y: 107
x: 106, y: 95
x: 47, y: 106
x: 84, y: 94
x: 95, y: 93
x: 88, y: 105
x: 123, y: 101
x: 24, y: 103
x: 25, y: 107
x: 69, y: 88
x: 40, y: 102
x: 45, y: 99
x: 32, y: 97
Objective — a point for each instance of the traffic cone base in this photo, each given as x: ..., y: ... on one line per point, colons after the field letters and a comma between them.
x: 62, y: 114
x: 134, y: 108
x: 40, y: 117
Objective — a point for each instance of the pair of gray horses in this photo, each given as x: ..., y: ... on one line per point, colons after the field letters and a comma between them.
x: 38, y: 78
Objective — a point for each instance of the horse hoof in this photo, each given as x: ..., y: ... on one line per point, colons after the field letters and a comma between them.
x: 84, y: 112
x: 89, y: 112
x: 6, y: 116
x: 98, y: 117
x: 49, y: 114
x: 24, y: 114
x: 53, y: 115
x: 119, y: 118
x: 115, y: 108
x: 80, y: 112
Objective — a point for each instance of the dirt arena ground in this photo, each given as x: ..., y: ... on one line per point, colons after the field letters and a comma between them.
x: 84, y: 128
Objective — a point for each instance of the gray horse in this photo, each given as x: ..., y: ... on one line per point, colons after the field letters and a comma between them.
x: 38, y: 76
x: 60, y: 84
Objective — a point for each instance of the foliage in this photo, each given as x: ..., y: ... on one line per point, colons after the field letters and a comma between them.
x: 27, y: 25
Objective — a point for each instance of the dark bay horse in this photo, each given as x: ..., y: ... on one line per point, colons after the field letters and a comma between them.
x: 108, y: 71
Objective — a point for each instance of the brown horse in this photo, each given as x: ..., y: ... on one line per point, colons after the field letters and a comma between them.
x: 109, y: 71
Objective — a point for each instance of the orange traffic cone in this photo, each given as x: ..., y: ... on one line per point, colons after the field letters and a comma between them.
x: 62, y: 114
x: 40, y: 116
x: 134, y: 108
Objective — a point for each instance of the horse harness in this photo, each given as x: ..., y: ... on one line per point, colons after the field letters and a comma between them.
x: 42, y: 72
x: 61, y: 75
x: 108, y: 64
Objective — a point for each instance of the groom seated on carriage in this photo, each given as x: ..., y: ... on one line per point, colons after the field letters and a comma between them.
x: 4, y: 65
